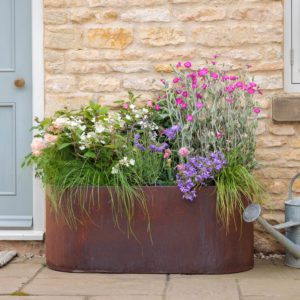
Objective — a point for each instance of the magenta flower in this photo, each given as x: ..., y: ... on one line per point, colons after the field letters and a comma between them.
x: 183, y: 152
x: 176, y: 79
x: 219, y: 135
x: 188, y: 64
x: 239, y: 84
x: 202, y: 72
x: 229, y: 100
x: 213, y: 62
x: 204, y: 86
x: 184, y: 105
x: 199, y: 96
x: 194, y: 85
x: 214, y: 75
x: 252, y: 84
x: 215, y: 56
x: 185, y: 94
x: 125, y: 105
x: 234, y: 77
x: 179, y: 65
x: 256, y: 110
x: 199, y: 105
x: 250, y: 91
x: 157, y: 107
x: 189, y: 118
x: 179, y: 100
x: 225, y: 77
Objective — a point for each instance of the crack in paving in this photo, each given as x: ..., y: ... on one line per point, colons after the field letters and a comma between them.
x: 30, y: 279
x: 164, y: 295
x: 239, y: 289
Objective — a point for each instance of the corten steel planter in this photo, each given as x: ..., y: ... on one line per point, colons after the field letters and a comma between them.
x: 187, y: 238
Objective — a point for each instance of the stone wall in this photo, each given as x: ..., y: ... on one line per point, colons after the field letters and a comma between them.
x: 99, y: 49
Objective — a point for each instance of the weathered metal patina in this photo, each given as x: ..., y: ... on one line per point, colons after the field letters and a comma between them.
x: 187, y: 237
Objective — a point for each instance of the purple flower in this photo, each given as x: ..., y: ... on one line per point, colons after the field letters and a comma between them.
x: 198, y: 171
x: 171, y: 133
x: 160, y: 149
x: 137, y: 143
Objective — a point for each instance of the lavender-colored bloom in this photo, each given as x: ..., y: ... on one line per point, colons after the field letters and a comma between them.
x: 170, y: 133
x: 198, y: 171
x: 160, y: 149
x: 137, y: 143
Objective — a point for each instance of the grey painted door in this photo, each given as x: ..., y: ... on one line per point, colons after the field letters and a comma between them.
x: 15, y: 114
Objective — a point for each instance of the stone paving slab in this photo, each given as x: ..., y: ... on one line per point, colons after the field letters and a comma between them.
x: 14, y: 276
x: 49, y: 282
x: 269, y: 288
x: 40, y: 298
x: 196, y: 287
x: 269, y: 280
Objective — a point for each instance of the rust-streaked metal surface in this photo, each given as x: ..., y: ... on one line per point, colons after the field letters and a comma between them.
x: 187, y: 238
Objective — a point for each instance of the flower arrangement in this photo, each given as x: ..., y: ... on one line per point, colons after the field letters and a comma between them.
x: 199, y: 131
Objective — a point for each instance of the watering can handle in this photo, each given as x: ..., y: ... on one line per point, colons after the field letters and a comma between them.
x: 290, y: 192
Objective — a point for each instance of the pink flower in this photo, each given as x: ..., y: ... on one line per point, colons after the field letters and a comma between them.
x: 149, y: 103
x: 183, y: 152
x: 214, y: 75
x: 185, y: 94
x: 163, y: 81
x: 234, y: 77
x: 252, y: 84
x: 256, y: 110
x: 180, y: 167
x: 176, y: 79
x: 189, y: 118
x: 199, y: 96
x: 213, y: 62
x: 184, y: 105
x: 188, y: 64
x: 219, y: 135
x: 179, y: 65
x: 215, y: 56
x: 167, y: 153
x: 179, y: 101
x: 250, y: 90
x: 204, y: 86
x: 50, y: 138
x: 157, y: 107
x: 199, y: 105
x: 225, y: 77
x: 125, y: 105
x: 202, y: 72
x: 229, y: 100
x: 37, y: 145
x: 194, y: 85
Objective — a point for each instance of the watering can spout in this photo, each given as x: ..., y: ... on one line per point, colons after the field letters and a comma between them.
x: 252, y: 213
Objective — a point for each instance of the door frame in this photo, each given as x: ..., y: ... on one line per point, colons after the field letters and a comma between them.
x: 37, y: 232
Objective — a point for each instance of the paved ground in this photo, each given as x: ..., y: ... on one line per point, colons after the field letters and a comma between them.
x: 30, y: 279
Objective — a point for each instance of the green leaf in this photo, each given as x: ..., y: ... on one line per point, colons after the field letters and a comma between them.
x: 64, y: 145
x: 90, y: 154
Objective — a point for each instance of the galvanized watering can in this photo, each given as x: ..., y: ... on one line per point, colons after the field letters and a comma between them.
x: 291, y: 240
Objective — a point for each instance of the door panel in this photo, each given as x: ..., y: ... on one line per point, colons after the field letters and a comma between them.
x: 7, y: 149
x: 15, y: 114
x: 7, y: 35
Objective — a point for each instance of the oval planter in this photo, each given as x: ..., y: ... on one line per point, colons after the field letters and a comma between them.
x: 187, y: 237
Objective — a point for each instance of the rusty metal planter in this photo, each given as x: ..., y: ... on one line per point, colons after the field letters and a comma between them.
x: 187, y: 238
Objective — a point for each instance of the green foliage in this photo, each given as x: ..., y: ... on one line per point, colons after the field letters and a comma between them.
x: 235, y: 183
